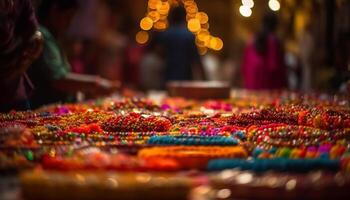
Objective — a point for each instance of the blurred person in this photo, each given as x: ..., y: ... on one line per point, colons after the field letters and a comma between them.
x: 230, y: 70
x: 306, y: 49
x: 85, y: 23
x: 75, y: 57
x: 133, y: 57
x: 212, y: 66
x: 111, y: 40
x: 263, y: 66
x: 86, y: 27
x: 181, y: 54
x: 51, y: 73
x: 152, y: 68
x: 20, y: 44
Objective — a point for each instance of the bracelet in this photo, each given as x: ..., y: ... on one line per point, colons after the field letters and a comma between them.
x: 278, y: 164
x: 193, y: 152
x: 136, y: 122
x: 325, y: 151
x: 192, y: 140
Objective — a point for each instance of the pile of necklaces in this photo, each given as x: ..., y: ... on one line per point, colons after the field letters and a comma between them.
x: 260, y: 146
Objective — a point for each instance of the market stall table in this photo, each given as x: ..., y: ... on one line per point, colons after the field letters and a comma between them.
x: 253, y: 145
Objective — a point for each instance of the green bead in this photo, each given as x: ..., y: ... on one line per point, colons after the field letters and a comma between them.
x: 29, y: 155
x: 285, y: 152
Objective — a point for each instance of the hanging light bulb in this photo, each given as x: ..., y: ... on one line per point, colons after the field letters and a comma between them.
x: 274, y: 5
x: 245, y: 11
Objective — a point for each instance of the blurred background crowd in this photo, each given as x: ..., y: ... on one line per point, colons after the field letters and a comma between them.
x: 313, y: 34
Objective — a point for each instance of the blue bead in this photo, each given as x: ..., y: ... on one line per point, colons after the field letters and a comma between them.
x: 257, y: 151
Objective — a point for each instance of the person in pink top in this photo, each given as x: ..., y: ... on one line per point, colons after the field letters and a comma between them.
x: 263, y: 61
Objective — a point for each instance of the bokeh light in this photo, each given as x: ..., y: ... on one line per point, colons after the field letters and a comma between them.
x: 245, y: 11
x: 274, y: 5
x: 152, y: 4
x: 202, y: 50
x: 146, y: 23
x: 194, y: 25
x: 203, y: 35
x: 197, y: 22
x: 161, y: 25
x: 202, y: 17
x: 154, y: 15
x: 248, y: 3
x: 216, y: 43
x: 163, y: 8
x: 142, y: 37
x: 219, y: 44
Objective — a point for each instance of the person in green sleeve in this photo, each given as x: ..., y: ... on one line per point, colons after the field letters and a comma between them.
x: 51, y: 73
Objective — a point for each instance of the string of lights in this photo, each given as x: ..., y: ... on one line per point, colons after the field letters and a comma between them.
x: 156, y: 19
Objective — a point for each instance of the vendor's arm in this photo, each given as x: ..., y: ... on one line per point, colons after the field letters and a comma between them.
x: 94, y: 85
x: 56, y: 69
